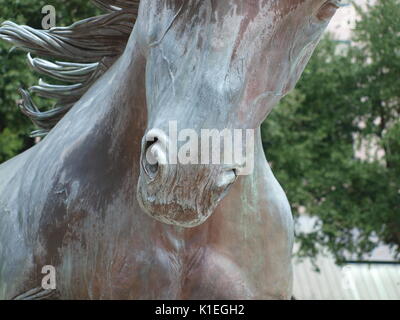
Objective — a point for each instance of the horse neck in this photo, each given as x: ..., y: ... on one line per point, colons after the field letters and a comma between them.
x: 112, y: 114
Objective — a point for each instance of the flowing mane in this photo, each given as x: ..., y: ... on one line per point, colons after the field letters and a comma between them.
x: 90, y: 46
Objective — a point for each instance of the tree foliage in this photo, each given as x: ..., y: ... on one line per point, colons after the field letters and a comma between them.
x: 334, y: 142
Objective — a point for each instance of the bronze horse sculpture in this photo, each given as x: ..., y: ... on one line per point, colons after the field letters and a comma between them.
x: 85, y: 199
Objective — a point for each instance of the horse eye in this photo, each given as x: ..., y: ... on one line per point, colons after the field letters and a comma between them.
x: 327, y: 11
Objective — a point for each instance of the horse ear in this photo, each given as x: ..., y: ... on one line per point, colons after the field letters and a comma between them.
x: 329, y: 8
x: 327, y: 11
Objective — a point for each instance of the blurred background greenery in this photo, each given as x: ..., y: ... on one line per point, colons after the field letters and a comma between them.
x: 333, y: 143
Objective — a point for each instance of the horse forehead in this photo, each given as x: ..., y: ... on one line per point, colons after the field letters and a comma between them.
x: 255, y: 7
x: 248, y: 8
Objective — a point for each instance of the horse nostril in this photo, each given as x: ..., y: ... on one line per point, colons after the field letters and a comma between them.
x: 151, y: 170
x: 154, y: 152
x: 150, y: 161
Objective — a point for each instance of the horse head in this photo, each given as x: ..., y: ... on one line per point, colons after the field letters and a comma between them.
x: 214, y: 65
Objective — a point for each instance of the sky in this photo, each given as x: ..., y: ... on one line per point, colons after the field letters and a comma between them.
x: 343, y: 21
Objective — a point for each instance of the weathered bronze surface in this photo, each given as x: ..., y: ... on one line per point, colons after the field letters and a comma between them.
x: 80, y: 200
